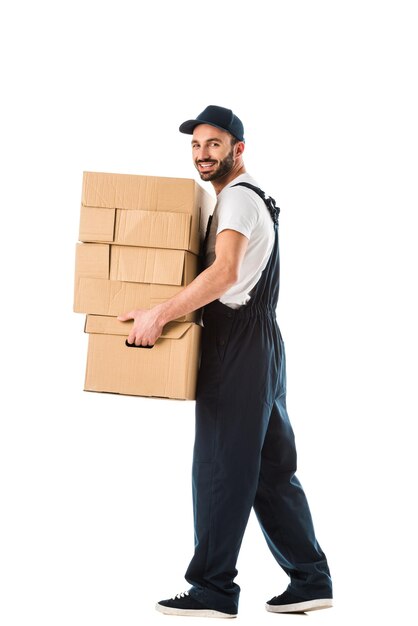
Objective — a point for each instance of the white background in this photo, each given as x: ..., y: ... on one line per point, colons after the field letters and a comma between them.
x: 96, y: 519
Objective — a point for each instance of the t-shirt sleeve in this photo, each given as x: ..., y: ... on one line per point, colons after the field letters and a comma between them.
x: 237, y: 210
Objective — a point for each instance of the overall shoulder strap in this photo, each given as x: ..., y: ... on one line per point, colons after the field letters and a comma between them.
x: 268, y: 201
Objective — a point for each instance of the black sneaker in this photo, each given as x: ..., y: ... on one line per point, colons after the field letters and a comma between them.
x: 184, y: 604
x: 288, y: 603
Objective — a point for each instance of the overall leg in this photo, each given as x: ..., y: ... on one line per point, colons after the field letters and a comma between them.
x: 282, y: 508
x: 231, y: 422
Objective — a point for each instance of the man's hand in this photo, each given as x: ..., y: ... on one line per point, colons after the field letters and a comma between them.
x: 147, y: 327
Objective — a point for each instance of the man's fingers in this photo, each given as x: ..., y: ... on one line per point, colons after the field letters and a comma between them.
x: 125, y: 317
x: 142, y: 342
x: 135, y: 338
x: 131, y: 337
x: 142, y: 332
x: 138, y: 341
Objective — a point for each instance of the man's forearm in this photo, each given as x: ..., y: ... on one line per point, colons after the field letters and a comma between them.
x: 206, y: 287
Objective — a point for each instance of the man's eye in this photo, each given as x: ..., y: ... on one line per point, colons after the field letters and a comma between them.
x: 214, y: 144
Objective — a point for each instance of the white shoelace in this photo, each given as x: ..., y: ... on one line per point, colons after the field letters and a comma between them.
x: 181, y: 595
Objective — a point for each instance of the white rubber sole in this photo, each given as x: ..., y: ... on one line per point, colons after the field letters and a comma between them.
x: 192, y: 612
x: 299, y: 607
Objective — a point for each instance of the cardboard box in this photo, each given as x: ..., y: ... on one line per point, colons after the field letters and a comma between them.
x: 113, y: 297
x: 168, y: 370
x: 138, y: 228
x: 133, y: 264
x: 146, y: 211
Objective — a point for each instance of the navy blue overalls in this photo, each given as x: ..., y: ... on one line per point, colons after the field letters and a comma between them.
x: 244, y: 453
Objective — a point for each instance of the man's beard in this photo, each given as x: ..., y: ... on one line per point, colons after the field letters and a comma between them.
x: 224, y: 167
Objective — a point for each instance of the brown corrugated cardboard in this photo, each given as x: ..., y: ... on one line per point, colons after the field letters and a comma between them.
x: 167, y: 370
x: 97, y: 224
x: 114, y: 297
x: 137, y: 228
x: 140, y: 239
x: 146, y: 193
x: 110, y: 280
x: 147, y: 211
x: 92, y: 261
x: 134, y: 264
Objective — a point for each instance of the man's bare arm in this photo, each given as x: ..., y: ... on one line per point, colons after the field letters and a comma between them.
x: 207, y: 286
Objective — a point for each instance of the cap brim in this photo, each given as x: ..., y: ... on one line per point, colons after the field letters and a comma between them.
x: 189, y: 126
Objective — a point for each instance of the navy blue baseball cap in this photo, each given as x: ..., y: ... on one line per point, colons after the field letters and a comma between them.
x: 216, y: 116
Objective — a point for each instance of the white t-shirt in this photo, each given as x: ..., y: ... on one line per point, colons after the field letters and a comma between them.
x: 241, y: 209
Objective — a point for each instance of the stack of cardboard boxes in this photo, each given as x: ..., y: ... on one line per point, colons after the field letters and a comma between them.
x: 141, y: 237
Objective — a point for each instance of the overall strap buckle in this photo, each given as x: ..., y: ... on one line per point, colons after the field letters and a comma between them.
x: 268, y: 201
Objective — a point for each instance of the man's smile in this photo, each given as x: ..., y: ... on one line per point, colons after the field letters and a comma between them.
x: 206, y: 165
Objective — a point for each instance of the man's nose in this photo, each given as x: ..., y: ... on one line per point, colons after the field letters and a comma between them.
x: 203, y: 153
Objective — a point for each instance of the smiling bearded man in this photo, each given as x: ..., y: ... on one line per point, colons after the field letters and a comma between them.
x: 244, y: 453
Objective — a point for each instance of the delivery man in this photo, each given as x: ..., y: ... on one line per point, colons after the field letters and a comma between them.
x: 244, y: 453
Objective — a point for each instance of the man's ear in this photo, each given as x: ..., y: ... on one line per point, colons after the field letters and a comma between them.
x: 239, y: 148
